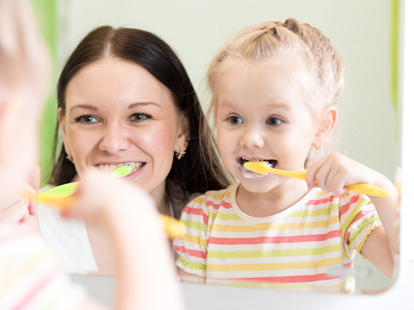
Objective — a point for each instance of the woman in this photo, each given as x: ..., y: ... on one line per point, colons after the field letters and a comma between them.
x: 124, y: 98
x: 30, y: 277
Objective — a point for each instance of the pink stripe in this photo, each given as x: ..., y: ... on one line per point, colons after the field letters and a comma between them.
x: 350, y: 264
x: 223, y: 204
x: 362, y: 213
x: 321, y: 201
x: 193, y: 253
x: 287, y: 239
x: 288, y: 279
x: 42, y: 283
x: 345, y: 207
x: 200, y: 212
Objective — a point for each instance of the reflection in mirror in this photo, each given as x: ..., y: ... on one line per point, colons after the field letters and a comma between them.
x: 196, y: 31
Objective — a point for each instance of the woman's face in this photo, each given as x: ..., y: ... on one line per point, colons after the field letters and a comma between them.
x: 117, y: 114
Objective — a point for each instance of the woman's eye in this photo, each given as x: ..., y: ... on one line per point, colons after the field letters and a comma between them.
x: 235, y: 120
x: 140, y: 117
x: 273, y: 121
x: 86, y: 119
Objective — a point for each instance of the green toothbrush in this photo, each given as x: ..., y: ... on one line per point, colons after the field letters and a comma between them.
x: 65, y: 190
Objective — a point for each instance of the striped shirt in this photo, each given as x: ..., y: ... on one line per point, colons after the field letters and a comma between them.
x: 30, y: 277
x: 291, y: 249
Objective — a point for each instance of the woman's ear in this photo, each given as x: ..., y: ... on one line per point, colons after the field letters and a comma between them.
x: 62, y: 126
x: 183, y: 132
x: 326, y: 126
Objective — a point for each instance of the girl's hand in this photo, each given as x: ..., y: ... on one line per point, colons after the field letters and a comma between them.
x: 335, y: 171
x: 103, y: 198
x: 20, y: 211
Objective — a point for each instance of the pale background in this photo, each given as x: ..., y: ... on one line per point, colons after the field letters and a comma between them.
x: 360, y: 29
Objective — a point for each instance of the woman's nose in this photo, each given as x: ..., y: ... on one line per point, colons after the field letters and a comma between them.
x: 115, y: 139
x: 252, y: 137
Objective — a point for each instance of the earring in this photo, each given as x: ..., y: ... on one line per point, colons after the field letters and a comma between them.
x: 70, y: 158
x: 316, y: 146
x: 181, y: 151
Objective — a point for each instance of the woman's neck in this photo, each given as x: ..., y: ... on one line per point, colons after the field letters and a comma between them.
x: 161, y: 199
x: 272, y: 202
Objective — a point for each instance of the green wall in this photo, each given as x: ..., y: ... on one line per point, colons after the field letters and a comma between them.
x: 45, y: 11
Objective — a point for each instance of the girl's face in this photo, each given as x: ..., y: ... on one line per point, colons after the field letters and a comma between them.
x: 262, y: 115
x: 117, y: 114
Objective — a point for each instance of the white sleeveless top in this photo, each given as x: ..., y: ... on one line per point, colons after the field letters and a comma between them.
x: 69, y: 238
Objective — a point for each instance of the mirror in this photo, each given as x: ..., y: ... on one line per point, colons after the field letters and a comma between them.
x: 196, y: 30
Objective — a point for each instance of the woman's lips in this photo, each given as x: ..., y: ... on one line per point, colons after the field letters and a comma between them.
x: 134, y: 175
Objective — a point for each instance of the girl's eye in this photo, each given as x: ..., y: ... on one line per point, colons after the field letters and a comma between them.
x: 86, y: 119
x: 235, y: 120
x: 273, y: 121
x: 140, y: 117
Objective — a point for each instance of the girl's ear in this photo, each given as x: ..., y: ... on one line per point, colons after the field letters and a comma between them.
x: 326, y: 126
x: 62, y: 126
x: 183, y: 132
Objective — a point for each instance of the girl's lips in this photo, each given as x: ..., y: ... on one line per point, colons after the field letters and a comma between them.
x: 242, y: 159
x: 247, y: 174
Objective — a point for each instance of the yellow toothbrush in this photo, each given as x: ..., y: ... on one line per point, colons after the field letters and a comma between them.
x: 361, y: 188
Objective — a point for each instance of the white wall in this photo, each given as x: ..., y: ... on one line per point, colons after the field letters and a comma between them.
x: 196, y: 29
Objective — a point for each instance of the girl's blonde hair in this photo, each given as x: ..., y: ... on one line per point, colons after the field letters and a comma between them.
x: 24, y: 60
x: 323, y: 82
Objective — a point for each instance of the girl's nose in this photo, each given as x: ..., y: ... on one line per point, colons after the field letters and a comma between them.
x: 252, y: 138
x: 114, y: 140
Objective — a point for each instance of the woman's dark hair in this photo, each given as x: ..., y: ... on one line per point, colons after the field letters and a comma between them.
x: 194, y: 173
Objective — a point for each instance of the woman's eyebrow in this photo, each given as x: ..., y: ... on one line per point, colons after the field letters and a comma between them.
x: 84, y: 106
x: 144, y: 103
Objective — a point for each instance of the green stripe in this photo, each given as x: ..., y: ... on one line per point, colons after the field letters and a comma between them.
x: 362, y: 202
x: 309, y: 213
x: 361, y: 228
x: 192, y: 224
x: 227, y: 217
x: 274, y: 253
x: 191, y: 265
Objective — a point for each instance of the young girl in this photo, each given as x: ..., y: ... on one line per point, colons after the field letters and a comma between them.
x: 275, y: 91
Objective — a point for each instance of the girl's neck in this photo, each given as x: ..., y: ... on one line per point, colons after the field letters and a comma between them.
x: 272, y: 202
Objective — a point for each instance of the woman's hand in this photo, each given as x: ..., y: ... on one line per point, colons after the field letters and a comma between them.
x: 335, y: 171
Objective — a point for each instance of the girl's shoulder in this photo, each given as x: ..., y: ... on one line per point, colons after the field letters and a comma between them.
x: 318, y: 197
x: 213, y: 198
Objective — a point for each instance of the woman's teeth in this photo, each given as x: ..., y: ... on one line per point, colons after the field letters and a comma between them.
x: 135, y: 166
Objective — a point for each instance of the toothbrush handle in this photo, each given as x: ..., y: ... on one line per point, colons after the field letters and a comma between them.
x: 360, y: 188
x: 58, y: 192
x: 368, y: 189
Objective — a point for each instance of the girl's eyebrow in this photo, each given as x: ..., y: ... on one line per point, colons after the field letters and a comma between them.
x: 279, y: 106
